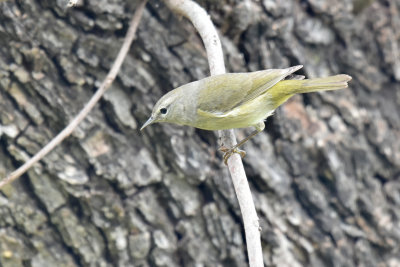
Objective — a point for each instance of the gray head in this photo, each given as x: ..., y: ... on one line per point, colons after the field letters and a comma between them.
x: 165, y: 109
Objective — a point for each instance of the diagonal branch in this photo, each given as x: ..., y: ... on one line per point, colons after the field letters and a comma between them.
x: 203, y: 24
x: 130, y: 35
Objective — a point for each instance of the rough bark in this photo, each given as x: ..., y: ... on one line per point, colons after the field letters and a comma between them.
x: 325, y: 174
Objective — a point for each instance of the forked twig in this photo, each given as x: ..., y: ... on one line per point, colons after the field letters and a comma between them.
x: 130, y: 35
x: 203, y: 24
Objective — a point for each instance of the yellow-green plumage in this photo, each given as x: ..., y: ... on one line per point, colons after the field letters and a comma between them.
x: 283, y: 90
x: 236, y: 100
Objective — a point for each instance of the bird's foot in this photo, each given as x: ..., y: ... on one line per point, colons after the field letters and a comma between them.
x: 229, y: 151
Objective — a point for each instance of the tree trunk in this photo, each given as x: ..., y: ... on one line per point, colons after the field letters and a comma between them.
x: 325, y: 174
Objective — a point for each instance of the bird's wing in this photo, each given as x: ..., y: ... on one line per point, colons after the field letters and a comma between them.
x: 222, y: 93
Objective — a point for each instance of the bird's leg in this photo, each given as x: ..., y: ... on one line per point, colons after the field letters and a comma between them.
x: 235, y: 149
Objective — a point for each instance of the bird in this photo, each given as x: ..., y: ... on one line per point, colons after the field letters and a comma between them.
x: 236, y: 100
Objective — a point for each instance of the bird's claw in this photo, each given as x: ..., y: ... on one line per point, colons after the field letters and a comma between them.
x: 229, y: 151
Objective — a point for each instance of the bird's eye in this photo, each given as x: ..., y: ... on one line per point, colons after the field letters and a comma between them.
x: 163, y: 111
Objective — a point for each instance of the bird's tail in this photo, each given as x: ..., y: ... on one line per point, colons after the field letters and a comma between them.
x: 322, y: 84
x: 283, y: 90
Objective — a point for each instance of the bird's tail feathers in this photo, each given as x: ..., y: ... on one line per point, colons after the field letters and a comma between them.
x: 324, y: 84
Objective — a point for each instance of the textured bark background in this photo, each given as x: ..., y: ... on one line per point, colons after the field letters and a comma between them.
x: 325, y: 174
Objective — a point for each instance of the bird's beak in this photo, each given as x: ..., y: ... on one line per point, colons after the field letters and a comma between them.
x: 147, y: 123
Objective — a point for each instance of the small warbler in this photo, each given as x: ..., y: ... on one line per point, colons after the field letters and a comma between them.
x: 236, y: 100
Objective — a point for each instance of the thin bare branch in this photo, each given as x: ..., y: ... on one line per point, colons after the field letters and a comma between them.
x: 203, y: 24
x: 72, y: 3
x: 130, y: 35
